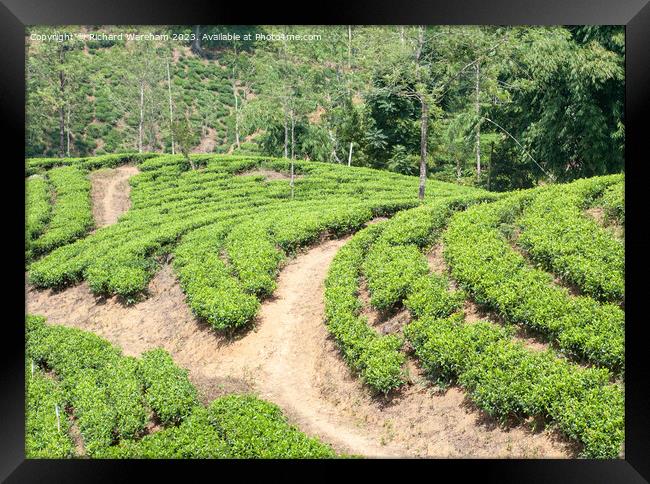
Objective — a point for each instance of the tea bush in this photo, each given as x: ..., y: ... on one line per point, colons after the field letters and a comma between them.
x: 111, y: 397
x: 43, y: 439
x: 71, y: 214
x: 168, y: 390
x: 482, y: 261
x: 556, y: 234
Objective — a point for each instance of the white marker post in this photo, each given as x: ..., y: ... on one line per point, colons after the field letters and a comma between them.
x: 58, y: 419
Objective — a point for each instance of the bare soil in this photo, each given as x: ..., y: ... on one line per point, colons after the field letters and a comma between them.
x: 75, y: 435
x: 110, y: 193
x: 598, y: 214
x: 385, y: 322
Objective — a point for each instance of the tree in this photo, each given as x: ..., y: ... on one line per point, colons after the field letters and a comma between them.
x: 182, y: 129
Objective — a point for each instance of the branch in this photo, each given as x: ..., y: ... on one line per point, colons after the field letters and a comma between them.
x: 446, y: 86
x: 334, y: 143
x: 521, y: 146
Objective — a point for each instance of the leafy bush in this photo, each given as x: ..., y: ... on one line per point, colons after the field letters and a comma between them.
x: 212, y: 292
x: 559, y: 236
x: 613, y: 202
x: 254, y: 257
x: 596, y: 418
x: 106, y: 393
x: 194, y: 438
x: 67, y: 350
x: 168, y: 390
x: 253, y: 428
x: 37, y: 165
x: 481, y: 259
x: 378, y: 359
x: 391, y: 271
x: 429, y: 296
x: 43, y: 439
x: 503, y: 378
x: 103, y: 386
x: 38, y: 209
x: 71, y: 214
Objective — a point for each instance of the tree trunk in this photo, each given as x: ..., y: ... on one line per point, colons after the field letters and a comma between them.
x: 424, y: 119
x: 140, y: 126
x: 490, y: 165
x: 418, y: 51
x: 477, y: 106
x: 234, y: 91
x: 171, y: 111
x: 350, y: 155
x: 286, y: 137
x: 293, y: 139
x: 334, y: 145
x: 196, y: 43
x: 62, y: 105
x: 68, y: 130
x: 458, y: 168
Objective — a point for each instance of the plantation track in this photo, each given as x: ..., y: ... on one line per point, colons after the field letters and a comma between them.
x: 289, y: 359
x: 110, y: 193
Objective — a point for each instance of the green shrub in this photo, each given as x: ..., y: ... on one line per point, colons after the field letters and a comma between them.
x: 71, y: 214
x: 613, y: 202
x: 254, y: 257
x: 67, y: 350
x: 253, y: 428
x: 504, y: 379
x: 194, y: 438
x: 391, y: 271
x: 43, y: 439
x: 37, y: 207
x: 377, y: 358
x: 560, y: 237
x: 168, y: 390
x: 481, y: 259
x: 429, y: 296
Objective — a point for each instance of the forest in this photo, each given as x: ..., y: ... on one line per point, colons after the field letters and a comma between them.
x: 496, y: 107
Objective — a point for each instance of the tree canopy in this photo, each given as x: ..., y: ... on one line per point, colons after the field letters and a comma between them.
x: 500, y: 107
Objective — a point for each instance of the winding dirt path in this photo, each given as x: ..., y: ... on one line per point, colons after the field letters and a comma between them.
x: 289, y: 359
x: 110, y: 193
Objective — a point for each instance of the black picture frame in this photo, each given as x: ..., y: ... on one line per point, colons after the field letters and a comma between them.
x: 634, y: 14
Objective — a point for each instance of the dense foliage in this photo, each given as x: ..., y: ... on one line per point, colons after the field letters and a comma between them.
x: 113, y: 397
x: 228, y: 223
x: 505, y: 106
x: 228, y: 228
x: 556, y: 233
x: 501, y: 375
x: 483, y: 261
x: 71, y: 214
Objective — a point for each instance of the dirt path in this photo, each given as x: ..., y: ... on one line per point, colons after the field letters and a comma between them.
x: 289, y: 359
x: 110, y: 193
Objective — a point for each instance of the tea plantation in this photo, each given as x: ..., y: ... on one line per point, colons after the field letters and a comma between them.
x: 534, y: 259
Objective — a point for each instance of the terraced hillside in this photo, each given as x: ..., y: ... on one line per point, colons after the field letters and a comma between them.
x: 574, y: 383
x: 514, y: 300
